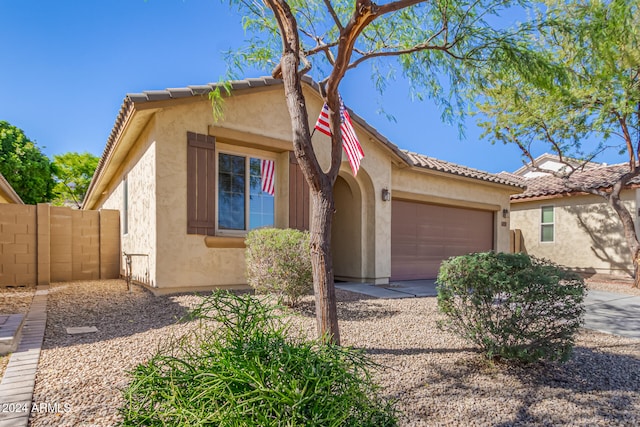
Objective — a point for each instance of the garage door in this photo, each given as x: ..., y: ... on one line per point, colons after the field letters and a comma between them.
x: 424, y: 235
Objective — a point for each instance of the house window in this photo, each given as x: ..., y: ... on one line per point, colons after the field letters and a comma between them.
x: 242, y: 205
x: 547, y: 221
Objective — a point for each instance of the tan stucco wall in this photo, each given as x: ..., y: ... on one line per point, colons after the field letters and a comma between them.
x: 184, y: 260
x: 588, y: 234
x: 258, y: 122
x: 4, y: 198
x: 7, y: 193
x: 139, y: 168
x: 374, y: 214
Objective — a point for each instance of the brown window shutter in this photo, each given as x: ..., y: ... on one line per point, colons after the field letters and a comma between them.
x: 298, y: 196
x: 201, y: 170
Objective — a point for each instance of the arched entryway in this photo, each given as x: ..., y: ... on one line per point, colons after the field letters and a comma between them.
x: 346, y: 233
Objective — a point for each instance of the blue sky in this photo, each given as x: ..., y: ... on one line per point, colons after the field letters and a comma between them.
x: 67, y: 66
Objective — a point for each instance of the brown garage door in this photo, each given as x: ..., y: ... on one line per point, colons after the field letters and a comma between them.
x: 424, y: 235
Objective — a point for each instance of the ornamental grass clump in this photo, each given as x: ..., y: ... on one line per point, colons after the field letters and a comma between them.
x: 242, y: 368
x: 279, y: 262
x: 512, y: 306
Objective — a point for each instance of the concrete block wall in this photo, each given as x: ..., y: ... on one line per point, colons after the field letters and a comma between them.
x: 42, y: 244
x: 109, y: 243
x: 85, y: 238
x: 61, y: 248
x: 18, y: 250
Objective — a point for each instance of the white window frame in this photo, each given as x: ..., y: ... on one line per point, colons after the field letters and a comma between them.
x: 247, y: 153
x: 552, y: 224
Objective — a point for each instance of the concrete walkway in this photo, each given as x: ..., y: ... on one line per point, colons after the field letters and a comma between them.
x: 16, y: 388
x: 607, y: 312
x: 613, y: 313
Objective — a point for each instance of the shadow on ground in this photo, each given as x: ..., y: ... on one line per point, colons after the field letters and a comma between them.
x: 350, y: 305
x: 543, y: 385
x: 115, y: 312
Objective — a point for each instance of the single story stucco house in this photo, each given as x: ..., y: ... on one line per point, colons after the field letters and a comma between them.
x: 185, y: 186
x: 572, y: 228
x: 7, y: 193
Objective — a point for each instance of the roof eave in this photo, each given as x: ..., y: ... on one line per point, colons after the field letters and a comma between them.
x: 433, y: 171
x: 6, y: 188
x: 560, y: 194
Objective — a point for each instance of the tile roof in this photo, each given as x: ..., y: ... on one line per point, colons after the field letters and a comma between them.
x: 423, y: 161
x: 595, y: 178
x: 412, y: 159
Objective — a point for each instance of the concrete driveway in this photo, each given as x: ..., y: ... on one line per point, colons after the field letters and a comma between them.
x: 607, y: 312
x: 613, y: 313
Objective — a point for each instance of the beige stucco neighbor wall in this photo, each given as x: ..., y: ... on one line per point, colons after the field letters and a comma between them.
x: 7, y: 193
x: 139, y: 171
x: 4, y: 198
x: 588, y: 234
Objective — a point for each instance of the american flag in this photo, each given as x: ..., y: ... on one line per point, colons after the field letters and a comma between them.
x: 267, y: 173
x: 350, y: 142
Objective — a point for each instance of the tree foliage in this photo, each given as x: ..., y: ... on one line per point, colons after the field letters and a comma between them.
x: 24, y: 166
x: 441, y: 47
x: 72, y: 173
x: 589, y: 104
x: 592, y: 45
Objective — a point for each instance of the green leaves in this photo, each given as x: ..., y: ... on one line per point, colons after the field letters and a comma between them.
x: 279, y: 262
x: 579, y: 93
x: 245, y: 371
x: 442, y: 48
x: 24, y: 166
x: 512, y: 306
x: 72, y: 173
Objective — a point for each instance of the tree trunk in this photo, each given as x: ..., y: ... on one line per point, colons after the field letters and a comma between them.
x: 629, y: 232
x: 321, y: 191
x: 322, y: 262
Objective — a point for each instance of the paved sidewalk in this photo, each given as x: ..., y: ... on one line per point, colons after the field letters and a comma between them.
x: 16, y: 388
x: 613, y: 313
x: 607, y: 312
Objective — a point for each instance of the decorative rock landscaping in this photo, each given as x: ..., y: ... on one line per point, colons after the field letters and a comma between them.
x: 435, y: 378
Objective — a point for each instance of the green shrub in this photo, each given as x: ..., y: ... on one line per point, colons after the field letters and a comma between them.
x: 511, y: 305
x: 279, y: 262
x: 242, y: 369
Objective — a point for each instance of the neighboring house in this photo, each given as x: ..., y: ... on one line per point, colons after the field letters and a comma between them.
x: 572, y: 228
x: 188, y: 189
x: 7, y: 193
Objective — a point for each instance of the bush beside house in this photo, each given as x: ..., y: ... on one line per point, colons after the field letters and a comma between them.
x: 511, y: 306
x: 278, y: 262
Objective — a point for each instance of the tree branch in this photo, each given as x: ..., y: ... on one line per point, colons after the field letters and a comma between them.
x: 417, y: 48
x: 396, y: 5
x: 627, y: 139
x: 333, y: 14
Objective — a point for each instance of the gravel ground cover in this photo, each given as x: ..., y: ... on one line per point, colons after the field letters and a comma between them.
x: 436, y: 379
x: 612, y: 284
x: 14, y: 300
